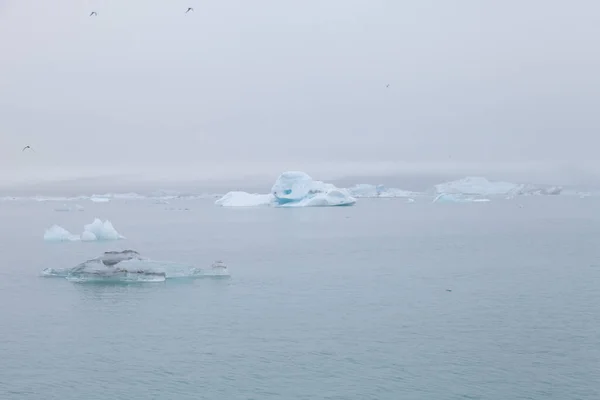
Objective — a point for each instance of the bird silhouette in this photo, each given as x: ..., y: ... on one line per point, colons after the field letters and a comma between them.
x: 189, y: 9
x: 27, y: 147
x: 93, y: 13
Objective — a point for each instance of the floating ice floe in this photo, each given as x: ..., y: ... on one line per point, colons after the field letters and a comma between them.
x: 130, y: 266
x: 96, y: 231
x: 97, y: 199
x: 457, y: 198
x: 378, y: 191
x: 480, y: 186
x: 68, y: 208
x: 243, y: 199
x: 292, y: 189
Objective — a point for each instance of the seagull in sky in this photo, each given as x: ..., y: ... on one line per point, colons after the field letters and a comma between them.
x: 189, y: 9
x: 93, y: 13
x: 27, y: 147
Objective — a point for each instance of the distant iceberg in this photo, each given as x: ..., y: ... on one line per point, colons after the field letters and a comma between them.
x: 377, y: 191
x: 97, y: 199
x: 67, y: 208
x: 130, y: 266
x: 243, y: 199
x: 292, y: 189
x: 480, y: 186
x: 458, y: 198
x: 96, y: 231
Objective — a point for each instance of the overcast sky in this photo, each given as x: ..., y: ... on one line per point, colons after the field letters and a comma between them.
x: 241, y: 87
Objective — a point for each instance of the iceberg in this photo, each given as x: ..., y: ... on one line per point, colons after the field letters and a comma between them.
x: 377, y: 191
x: 530, y: 189
x: 67, y: 208
x: 130, y: 266
x: 457, y: 198
x: 95, y: 231
x: 480, y: 186
x: 243, y: 199
x: 291, y: 189
x: 59, y: 234
x: 476, y: 186
x: 97, y: 199
x: 99, y: 230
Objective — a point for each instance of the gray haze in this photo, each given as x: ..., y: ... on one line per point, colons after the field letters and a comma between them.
x: 250, y: 88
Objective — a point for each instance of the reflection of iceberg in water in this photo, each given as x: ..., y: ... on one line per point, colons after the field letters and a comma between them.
x: 292, y: 189
x: 130, y: 266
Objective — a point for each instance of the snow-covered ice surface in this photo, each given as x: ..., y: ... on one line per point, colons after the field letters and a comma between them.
x: 365, y: 190
x: 130, y: 266
x: 97, y: 230
x: 292, y: 189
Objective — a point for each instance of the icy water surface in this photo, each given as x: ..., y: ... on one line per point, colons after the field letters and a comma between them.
x: 322, y: 303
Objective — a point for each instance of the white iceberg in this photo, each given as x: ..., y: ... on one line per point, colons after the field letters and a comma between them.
x: 97, y: 199
x: 474, y: 185
x: 458, y: 198
x: 99, y: 230
x: 377, y: 191
x: 59, y: 234
x: 292, y: 189
x: 243, y: 199
x: 479, y: 186
x: 67, y: 208
x: 96, y: 231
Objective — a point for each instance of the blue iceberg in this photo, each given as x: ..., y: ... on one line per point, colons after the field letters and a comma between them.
x: 292, y: 189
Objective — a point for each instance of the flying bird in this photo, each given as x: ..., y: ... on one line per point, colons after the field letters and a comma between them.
x: 388, y: 85
x: 93, y: 13
x: 189, y: 9
x: 27, y: 147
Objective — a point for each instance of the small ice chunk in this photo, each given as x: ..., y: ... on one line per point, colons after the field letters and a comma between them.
x: 99, y: 230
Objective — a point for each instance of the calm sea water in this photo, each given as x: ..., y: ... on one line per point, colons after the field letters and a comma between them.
x: 323, y: 303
